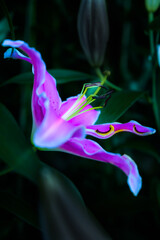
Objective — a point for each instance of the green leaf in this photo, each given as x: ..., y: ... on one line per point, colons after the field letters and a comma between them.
x: 15, y: 151
x: 23, y: 78
x: 66, y: 76
x: 19, y: 208
x: 118, y: 104
x: 61, y: 76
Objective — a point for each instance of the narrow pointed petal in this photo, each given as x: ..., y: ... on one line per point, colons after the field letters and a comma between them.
x: 109, y: 129
x: 86, y: 118
x: 89, y: 149
x: 45, y: 94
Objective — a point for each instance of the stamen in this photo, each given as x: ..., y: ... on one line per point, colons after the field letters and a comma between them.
x: 93, y: 108
x: 108, y: 95
x: 76, y: 108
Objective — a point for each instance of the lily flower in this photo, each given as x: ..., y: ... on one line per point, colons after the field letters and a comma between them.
x: 63, y: 126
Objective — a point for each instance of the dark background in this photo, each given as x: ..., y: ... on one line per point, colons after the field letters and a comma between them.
x: 51, y: 27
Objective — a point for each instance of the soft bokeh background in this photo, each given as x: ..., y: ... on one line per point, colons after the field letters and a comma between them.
x: 51, y: 27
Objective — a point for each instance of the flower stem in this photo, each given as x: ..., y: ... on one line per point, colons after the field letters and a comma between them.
x: 154, y: 97
x: 151, y: 36
x: 103, y: 79
x: 154, y: 92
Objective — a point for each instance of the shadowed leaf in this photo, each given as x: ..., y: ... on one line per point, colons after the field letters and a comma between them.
x: 61, y: 76
x: 19, y: 208
x: 15, y: 151
x: 63, y: 216
x: 118, y: 104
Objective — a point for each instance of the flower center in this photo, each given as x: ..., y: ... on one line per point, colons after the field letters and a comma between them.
x: 77, y: 108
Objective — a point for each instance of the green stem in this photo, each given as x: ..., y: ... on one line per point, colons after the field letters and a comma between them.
x: 104, y: 79
x: 154, y: 93
x: 154, y: 97
x: 6, y: 13
x: 151, y: 36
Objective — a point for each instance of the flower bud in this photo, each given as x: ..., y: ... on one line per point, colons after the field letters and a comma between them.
x: 152, y: 5
x: 93, y: 30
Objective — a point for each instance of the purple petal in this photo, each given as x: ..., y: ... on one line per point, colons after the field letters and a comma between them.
x: 86, y: 118
x: 55, y: 131
x: 89, y: 149
x: 45, y: 94
x: 109, y: 129
x: 14, y: 53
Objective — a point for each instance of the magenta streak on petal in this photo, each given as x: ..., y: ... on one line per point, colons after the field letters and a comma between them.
x: 53, y: 134
x: 89, y: 149
x: 109, y: 129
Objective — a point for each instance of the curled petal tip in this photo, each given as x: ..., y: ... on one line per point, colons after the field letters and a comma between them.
x: 8, y: 53
x: 134, y: 179
x: 142, y: 130
x: 14, y: 53
x: 135, y: 184
x: 152, y: 130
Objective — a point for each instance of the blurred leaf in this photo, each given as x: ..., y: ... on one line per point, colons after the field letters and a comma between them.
x: 61, y: 76
x: 65, y: 76
x: 118, y: 104
x: 23, y: 78
x: 15, y: 151
x: 19, y: 208
x: 62, y: 214
x: 4, y: 29
x: 5, y: 171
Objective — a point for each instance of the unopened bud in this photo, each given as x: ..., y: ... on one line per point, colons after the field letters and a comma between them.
x: 152, y: 5
x: 93, y: 30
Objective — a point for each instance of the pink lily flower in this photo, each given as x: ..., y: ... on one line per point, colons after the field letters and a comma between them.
x: 63, y: 126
